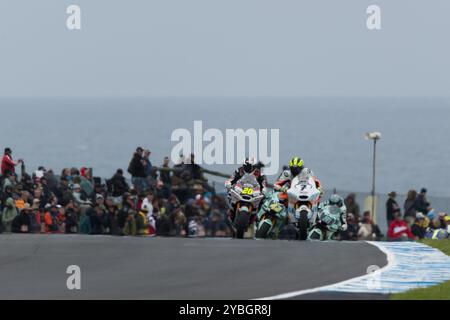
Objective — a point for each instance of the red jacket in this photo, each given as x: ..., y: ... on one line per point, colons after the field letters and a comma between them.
x: 7, y: 164
x: 398, y: 228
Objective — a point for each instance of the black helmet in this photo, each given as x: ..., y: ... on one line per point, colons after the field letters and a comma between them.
x: 249, y: 165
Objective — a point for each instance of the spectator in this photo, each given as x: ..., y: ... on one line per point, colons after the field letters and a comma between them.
x: 100, y: 223
x: 368, y: 230
x: 64, y: 191
x: 22, y: 198
x: 421, y: 204
x: 99, y: 189
x: 163, y: 191
x: 98, y: 201
x: 71, y: 221
x: 7, y: 193
x: 440, y: 227
x: 38, y: 197
x: 9, y: 181
x: 420, y: 226
x: 194, y: 169
x: 84, y: 223
x: 352, y: 206
x: 216, y: 226
x: 163, y: 223
x: 142, y: 224
x: 51, y: 218
x: 9, y: 213
x: 165, y: 175
x: 440, y: 221
x: 179, y: 221
x: 125, y: 217
x: 137, y: 170
x: 147, y: 163
x: 79, y: 196
x: 44, y: 189
x: 22, y: 222
x: 8, y: 165
x: 447, y: 223
x: 118, y: 185
x: 150, y: 171
x: 392, y: 208
x: 399, y: 230
x: 66, y: 174
x: 35, y: 217
x: 111, y: 211
x: 352, y: 229
x: 409, y: 206
x: 147, y: 202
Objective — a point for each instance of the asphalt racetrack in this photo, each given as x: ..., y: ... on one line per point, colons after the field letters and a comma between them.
x: 34, y: 267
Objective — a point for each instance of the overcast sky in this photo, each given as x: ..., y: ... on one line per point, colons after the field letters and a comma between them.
x: 224, y: 48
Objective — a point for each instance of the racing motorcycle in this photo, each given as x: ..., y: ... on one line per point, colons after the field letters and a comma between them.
x: 325, y: 223
x: 272, y: 216
x: 244, y: 198
x: 303, y: 199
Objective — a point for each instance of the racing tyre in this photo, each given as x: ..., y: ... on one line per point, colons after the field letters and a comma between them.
x: 263, y: 231
x: 303, y: 225
x: 242, y: 224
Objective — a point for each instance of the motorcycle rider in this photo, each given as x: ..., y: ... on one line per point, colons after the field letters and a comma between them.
x: 248, y: 167
x: 276, y: 200
x: 295, y: 168
x: 337, y: 202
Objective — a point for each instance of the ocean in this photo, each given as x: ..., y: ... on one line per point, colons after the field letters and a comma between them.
x: 328, y: 133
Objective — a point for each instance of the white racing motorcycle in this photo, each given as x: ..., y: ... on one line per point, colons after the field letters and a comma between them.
x: 244, y: 200
x: 303, y: 198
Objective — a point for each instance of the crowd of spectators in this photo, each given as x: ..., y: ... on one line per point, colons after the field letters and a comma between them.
x: 163, y: 201
x: 418, y: 220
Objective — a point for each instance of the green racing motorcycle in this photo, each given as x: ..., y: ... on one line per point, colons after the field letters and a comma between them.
x: 326, y: 222
x: 272, y: 216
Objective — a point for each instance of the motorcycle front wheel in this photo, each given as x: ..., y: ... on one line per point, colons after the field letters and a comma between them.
x: 242, y: 221
x: 263, y: 231
x: 316, y: 234
x: 303, y: 225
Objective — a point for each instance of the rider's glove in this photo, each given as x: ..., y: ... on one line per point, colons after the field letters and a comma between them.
x: 227, y: 184
x: 344, y: 227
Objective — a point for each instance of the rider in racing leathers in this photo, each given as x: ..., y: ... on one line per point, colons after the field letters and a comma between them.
x: 338, y: 202
x: 295, y: 168
x: 249, y: 167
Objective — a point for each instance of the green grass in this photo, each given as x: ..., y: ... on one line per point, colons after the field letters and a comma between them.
x: 438, y: 292
x: 443, y: 245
